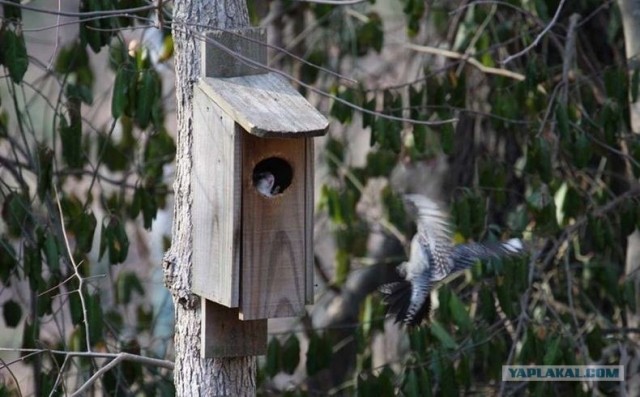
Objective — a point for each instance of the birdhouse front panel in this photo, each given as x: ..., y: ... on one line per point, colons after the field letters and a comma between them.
x: 216, y: 202
x: 276, y: 227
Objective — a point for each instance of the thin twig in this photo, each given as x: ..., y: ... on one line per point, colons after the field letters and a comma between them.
x: 538, y: 38
x: 120, y: 357
x: 569, y: 55
x: 75, y: 269
x: 472, y: 61
x: 155, y: 362
x: 248, y: 61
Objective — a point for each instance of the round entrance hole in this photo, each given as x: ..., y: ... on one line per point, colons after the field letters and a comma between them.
x: 272, y: 176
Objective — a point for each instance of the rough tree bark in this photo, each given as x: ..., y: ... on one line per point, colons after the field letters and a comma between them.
x: 630, y: 12
x: 193, y: 375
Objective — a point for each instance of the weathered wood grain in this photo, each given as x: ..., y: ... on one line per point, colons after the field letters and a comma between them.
x: 221, y: 49
x: 274, y: 245
x: 216, y: 203
x: 266, y: 105
x: 224, y: 335
x: 308, y: 214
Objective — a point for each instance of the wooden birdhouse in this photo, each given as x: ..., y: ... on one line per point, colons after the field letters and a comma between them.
x: 252, y: 182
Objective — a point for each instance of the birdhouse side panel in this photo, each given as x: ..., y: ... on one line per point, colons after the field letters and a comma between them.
x: 274, y: 247
x: 216, y: 203
x: 309, y: 210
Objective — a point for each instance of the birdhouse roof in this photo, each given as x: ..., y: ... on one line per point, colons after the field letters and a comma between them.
x: 266, y: 105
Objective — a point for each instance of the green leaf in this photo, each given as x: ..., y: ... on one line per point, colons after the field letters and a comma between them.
x: 80, y: 92
x: 143, y: 199
x: 340, y: 109
x: 319, y: 354
x: 446, y: 138
x: 462, y: 213
x: 615, y: 82
x: 410, y: 384
x: 12, y: 313
x: 368, y: 119
x: 160, y: 150
x: 90, y: 29
x: 336, y: 149
x: 16, y: 213
x: 51, y: 252
x: 123, y: 86
x: 629, y: 292
x: 562, y: 118
x: 309, y: 71
x: 45, y: 170
x: 8, y: 260
x: 14, y: 55
x: 44, y: 303
x: 381, y: 162
x: 30, y: 335
x: 443, y: 336
x: 420, y: 137
x: 127, y: 283
x: 582, y: 150
x: 75, y: 304
x: 370, y: 35
x: 459, y: 313
x: 114, y: 240
x: 33, y: 267
x: 290, y: 354
x: 147, y: 95
x: 596, y: 342
x: 71, y: 137
x: 94, y: 317
x: 85, y: 226
x: 552, y: 351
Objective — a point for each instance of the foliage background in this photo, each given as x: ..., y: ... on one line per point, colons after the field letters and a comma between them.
x: 542, y: 148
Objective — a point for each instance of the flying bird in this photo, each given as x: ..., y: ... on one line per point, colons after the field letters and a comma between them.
x: 432, y: 259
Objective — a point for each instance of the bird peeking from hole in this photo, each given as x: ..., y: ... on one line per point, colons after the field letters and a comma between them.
x: 265, y: 183
x: 433, y: 258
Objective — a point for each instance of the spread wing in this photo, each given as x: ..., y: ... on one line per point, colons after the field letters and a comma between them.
x: 432, y: 244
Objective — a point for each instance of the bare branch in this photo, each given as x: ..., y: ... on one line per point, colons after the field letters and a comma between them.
x: 247, y: 61
x: 569, y: 55
x: 474, y: 62
x: 538, y: 38
x: 120, y: 357
x: 75, y: 269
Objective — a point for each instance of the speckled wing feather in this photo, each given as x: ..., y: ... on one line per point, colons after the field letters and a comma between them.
x: 434, y: 237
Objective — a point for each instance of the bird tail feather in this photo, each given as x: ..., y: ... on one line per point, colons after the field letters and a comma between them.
x: 397, y: 298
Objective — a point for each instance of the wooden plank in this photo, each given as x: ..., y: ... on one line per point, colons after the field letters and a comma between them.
x: 224, y: 335
x: 273, y: 245
x: 308, y: 222
x: 221, y: 50
x: 266, y: 105
x: 216, y: 203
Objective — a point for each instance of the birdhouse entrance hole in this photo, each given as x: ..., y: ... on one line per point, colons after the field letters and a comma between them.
x: 272, y: 176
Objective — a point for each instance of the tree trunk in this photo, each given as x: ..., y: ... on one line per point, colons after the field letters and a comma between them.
x: 630, y: 12
x: 193, y: 375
